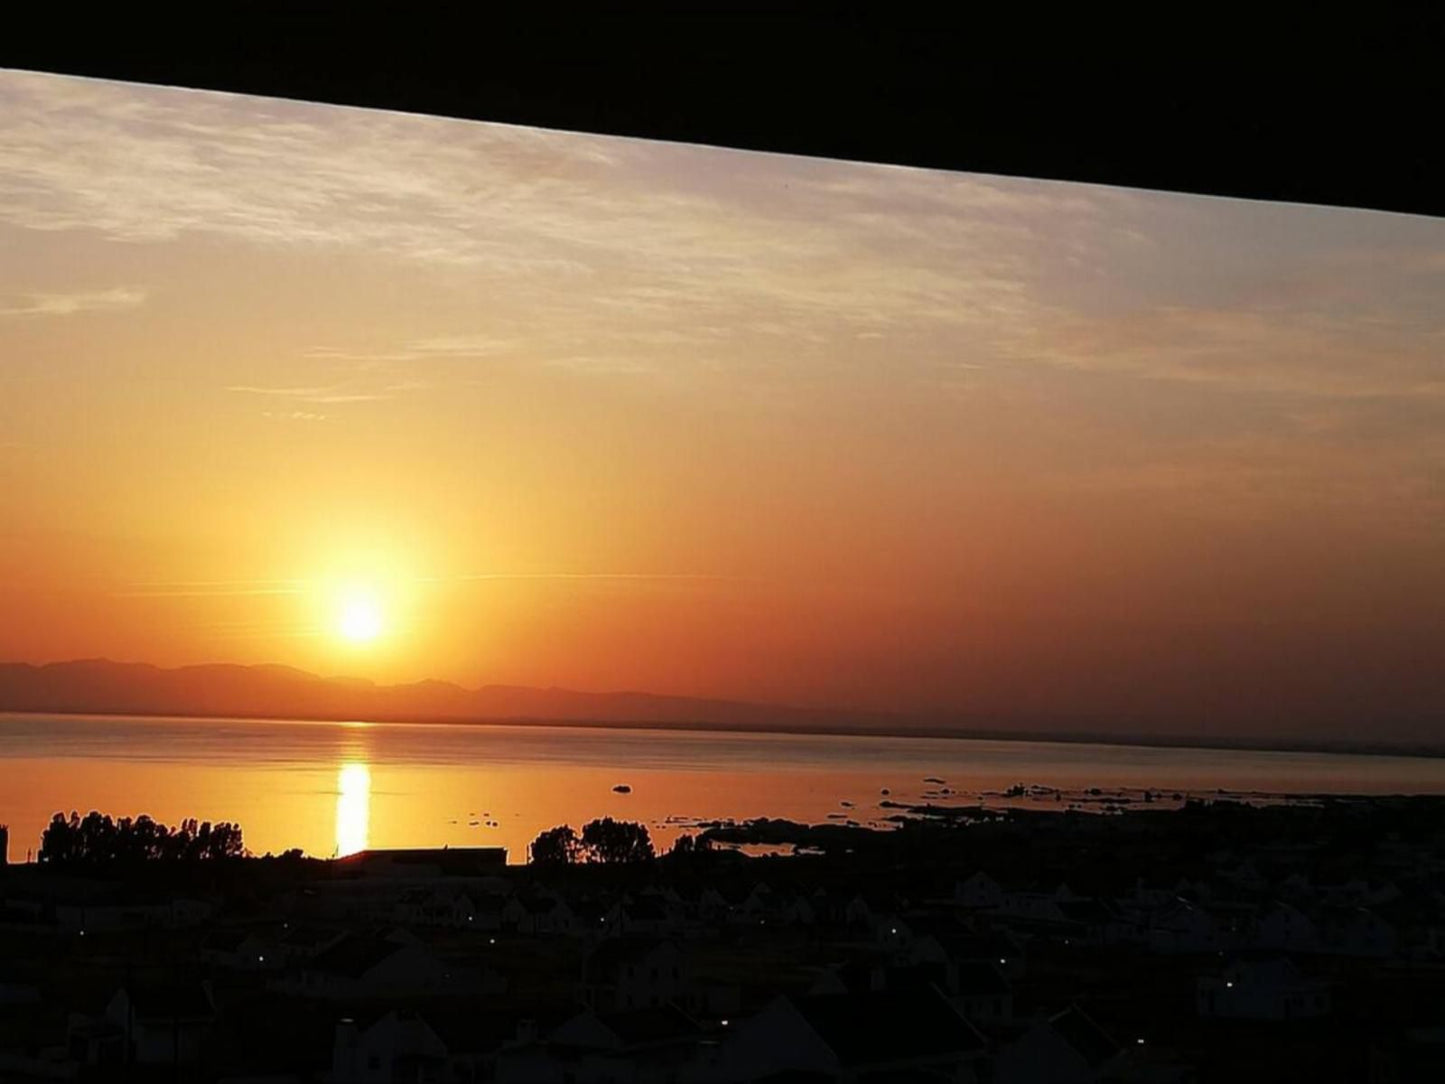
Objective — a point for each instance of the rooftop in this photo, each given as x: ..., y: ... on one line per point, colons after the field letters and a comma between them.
x: 883, y: 1028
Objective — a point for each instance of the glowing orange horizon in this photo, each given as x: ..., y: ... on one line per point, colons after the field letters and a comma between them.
x: 412, y: 398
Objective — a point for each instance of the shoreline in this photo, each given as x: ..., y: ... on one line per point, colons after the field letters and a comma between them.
x: 1191, y: 742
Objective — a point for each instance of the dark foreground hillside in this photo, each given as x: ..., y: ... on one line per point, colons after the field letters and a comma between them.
x: 1218, y: 942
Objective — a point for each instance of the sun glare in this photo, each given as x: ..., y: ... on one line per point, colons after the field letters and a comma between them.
x: 353, y: 808
x: 360, y: 618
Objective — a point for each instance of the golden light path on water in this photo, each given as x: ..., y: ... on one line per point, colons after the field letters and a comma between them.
x: 353, y: 808
x: 336, y: 788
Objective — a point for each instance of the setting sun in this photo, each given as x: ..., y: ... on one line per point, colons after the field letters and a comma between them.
x: 360, y: 618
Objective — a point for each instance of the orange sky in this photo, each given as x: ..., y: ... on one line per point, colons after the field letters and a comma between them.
x: 613, y: 414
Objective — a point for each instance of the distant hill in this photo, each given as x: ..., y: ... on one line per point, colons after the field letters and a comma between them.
x: 103, y: 687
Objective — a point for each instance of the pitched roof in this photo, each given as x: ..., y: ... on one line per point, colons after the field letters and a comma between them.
x: 308, y: 937
x: 170, y: 1001
x: 353, y: 955
x: 465, y: 1029
x: 605, y: 960
x: 226, y: 940
x: 646, y: 909
x: 860, y: 975
x: 1085, y: 1036
x: 1272, y: 971
x: 643, y: 1027
x: 980, y: 978
x: 1085, y: 911
x: 991, y: 946
x: 882, y: 1028
x: 588, y: 909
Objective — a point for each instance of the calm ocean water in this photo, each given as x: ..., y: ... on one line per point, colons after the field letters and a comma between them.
x: 337, y: 787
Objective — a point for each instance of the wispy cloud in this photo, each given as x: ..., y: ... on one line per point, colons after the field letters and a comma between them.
x: 246, y: 588
x: 590, y: 576
x: 1251, y: 348
x: 638, y: 259
x: 67, y: 304
x: 213, y: 589
x: 327, y: 395
x: 592, y: 233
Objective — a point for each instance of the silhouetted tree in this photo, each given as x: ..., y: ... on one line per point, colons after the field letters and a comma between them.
x: 688, y: 850
x: 96, y: 839
x: 616, y: 842
x: 555, y: 847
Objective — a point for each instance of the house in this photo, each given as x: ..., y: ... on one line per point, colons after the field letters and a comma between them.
x: 18, y: 993
x: 829, y: 908
x: 1065, y: 1048
x: 154, y: 1025
x: 477, y: 1041
x: 1184, y: 928
x: 1297, y: 886
x: 92, y: 1042
x: 398, y: 1046
x: 853, y: 1037
x: 891, y: 932
x: 302, y: 941
x: 1092, y: 922
x: 369, y: 965
x: 646, y: 916
x: 239, y: 949
x: 448, y: 907
x: 848, y: 1037
x: 1264, y: 989
x: 797, y: 910
x: 425, y: 863
x: 538, y: 914
x: 1410, y: 1055
x: 1129, y: 925
x: 1282, y: 927
x: 131, y: 915
x: 1357, y: 932
x: 590, y: 918
x: 638, y: 1044
x: 481, y: 912
x: 864, y: 976
x: 1148, y: 896
x: 1036, y: 905
x: 759, y: 902
x: 667, y: 894
x: 998, y: 947
x: 980, y: 992
x: 978, y: 890
x: 624, y: 973
x: 858, y: 912
x: 713, y: 905
x: 1245, y: 875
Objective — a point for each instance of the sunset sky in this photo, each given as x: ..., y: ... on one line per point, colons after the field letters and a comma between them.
x: 401, y: 397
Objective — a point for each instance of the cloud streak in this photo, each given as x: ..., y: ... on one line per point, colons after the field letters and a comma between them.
x: 221, y: 589
x: 118, y: 299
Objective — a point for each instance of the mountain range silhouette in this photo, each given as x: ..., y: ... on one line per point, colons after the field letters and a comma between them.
x: 269, y: 691
x: 104, y: 687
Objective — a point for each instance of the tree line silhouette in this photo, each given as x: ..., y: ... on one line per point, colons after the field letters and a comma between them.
x: 96, y: 839
x: 605, y: 841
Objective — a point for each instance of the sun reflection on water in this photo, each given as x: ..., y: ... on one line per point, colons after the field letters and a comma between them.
x: 353, y: 808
